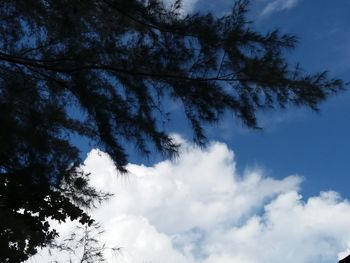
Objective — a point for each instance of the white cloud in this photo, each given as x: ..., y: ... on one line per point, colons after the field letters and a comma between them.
x: 278, y: 5
x: 198, y: 209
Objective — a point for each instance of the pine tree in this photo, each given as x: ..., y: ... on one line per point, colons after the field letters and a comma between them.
x: 114, y: 62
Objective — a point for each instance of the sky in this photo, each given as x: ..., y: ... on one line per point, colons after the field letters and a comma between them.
x: 280, y: 194
x: 315, y: 145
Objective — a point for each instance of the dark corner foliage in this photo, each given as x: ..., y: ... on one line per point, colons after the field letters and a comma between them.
x: 115, y: 61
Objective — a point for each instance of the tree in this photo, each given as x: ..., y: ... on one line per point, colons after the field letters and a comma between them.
x: 114, y: 62
x: 83, y: 245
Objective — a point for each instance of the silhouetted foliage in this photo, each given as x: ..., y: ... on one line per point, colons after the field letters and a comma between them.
x: 115, y: 62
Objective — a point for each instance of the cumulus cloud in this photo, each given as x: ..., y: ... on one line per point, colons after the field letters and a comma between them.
x: 198, y: 209
x: 278, y: 5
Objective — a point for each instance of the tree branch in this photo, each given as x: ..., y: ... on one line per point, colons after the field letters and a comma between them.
x: 39, y: 64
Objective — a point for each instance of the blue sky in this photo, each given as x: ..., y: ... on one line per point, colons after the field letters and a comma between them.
x: 314, y: 145
x: 251, y: 196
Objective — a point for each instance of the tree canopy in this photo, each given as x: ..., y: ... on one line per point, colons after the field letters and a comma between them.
x: 115, y: 62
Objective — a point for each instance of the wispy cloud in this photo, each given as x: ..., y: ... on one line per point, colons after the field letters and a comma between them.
x: 278, y: 5
x: 198, y: 209
x: 186, y: 5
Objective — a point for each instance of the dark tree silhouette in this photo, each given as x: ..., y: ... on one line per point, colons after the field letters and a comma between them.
x: 345, y: 260
x: 115, y: 62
